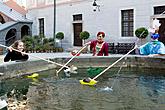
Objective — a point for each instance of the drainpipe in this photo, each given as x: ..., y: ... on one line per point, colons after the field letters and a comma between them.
x: 54, y: 26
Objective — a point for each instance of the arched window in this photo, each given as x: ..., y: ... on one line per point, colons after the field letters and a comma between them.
x: 25, y: 30
x: 11, y: 36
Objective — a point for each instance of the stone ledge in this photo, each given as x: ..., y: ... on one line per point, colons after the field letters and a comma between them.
x: 13, y: 69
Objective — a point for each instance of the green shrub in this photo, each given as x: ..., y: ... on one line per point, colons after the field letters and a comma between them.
x: 51, y: 42
x: 84, y: 35
x: 45, y: 41
x: 28, y: 41
x: 60, y: 35
x: 141, y: 33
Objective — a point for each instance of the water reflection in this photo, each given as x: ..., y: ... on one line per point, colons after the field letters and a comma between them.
x: 130, y: 92
x: 156, y: 84
x: 153, y: 88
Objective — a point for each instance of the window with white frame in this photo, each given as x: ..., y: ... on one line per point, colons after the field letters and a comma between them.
x: 77, y: 17
x: 41, y: 26
x: 127, y: 23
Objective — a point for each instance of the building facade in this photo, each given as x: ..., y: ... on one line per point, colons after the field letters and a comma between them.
x: 13, y: 22
x: 118, y: 19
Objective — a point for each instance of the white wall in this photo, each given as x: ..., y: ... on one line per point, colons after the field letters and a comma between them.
x: 107, y: 20
x: 45, y: 13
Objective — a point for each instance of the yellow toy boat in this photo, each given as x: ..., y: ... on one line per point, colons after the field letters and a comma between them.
x: 90, y: 83
x: 34, y: 75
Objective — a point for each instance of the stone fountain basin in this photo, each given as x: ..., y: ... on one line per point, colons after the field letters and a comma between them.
x: 15, y: 69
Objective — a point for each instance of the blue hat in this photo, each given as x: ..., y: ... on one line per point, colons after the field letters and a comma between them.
x: 155, y: 36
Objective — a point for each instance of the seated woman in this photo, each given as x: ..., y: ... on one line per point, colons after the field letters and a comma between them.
x: 14, y: 55
x: 154, y: 47
x: 99, y: 47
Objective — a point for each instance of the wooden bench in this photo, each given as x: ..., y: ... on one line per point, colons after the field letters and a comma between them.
x: 111, y: 48
x: 123, y: 48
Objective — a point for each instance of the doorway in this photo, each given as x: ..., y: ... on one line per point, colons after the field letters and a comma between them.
x: 25, y: 30
x: 162, y: 30
x: 77, y: 28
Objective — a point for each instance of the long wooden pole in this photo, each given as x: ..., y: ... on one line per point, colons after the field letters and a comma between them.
x: 115, y: 62
x: 36, y: 57
x: 71, y: 58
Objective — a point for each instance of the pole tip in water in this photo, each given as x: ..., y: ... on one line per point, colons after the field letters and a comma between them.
x: 34, y: 75
x: 88, y: 81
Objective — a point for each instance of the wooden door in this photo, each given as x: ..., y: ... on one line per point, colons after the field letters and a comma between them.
x: 77, y: 29
x: 162, y: 30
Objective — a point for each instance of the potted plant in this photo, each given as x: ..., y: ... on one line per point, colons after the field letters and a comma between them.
x: 60, y: 36
x: 46, y: 47
x: 84, y: 35
x: 38, y: 48
x: 28, y: 41
x: 51, y: 43
x: 141, y: 33
x: 42, y: 37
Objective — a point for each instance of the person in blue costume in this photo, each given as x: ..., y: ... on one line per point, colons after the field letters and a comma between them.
x: 154, y: 47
